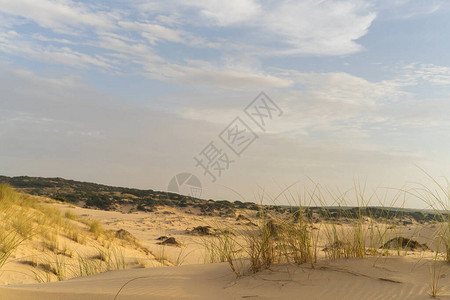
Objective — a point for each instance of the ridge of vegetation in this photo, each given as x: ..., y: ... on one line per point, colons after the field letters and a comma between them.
x: 93, y: 195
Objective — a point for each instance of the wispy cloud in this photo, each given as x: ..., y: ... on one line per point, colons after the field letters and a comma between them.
x: 408, y: 9
x: 79, y: 34
x: 283, y: 27
x: 62, y: 16
x: 436, y: 75
x: 14, y: 43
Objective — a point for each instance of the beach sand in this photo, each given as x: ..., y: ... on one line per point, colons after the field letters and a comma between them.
x: 370, y: 278
x: 182, y: 272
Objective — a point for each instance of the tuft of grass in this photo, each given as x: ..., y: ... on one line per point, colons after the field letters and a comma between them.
x: 51, y: 241
x: 23, y: 224
x: 438, y: 199
x: 15, y: 226
x: 42, y: 276
x: 75, y: 235
x: 436, y: 273
x: 9, y: 242
x: 8, y: 196
x: 112, y: 257
x: 297, y: 234
x: 70, y: 215
x: 224, y: 248
x: 181, y: 257
x: 96, y: 228
x: 60, y: 267
x: 161, y: 256
x: 87, y: 267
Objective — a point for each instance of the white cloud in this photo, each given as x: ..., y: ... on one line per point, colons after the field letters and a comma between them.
x: 341, y: 105
x: 40, y: 37
x: 225, y: 13
x: 58, y: 15
x: 132, y: 41
x: 63, y: 127
x: 14, y: 44
x: 325, y: 102
x: 153, y: 32
x: 202, y: 73
x: 436, y: 75
x: 231, y: 79
x: 292, y: 27
x: 319, y: 28
x: 344, y: 88
x: 333, y: 121
x: 128, y: 47
x: 283, y: 27
x: 408, y: 9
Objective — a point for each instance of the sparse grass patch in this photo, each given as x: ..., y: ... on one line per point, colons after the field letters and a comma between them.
x: 9, y: 241
x: 23, y: 224
x: 96, y: 228
x: 299, y: 234
x: 112, y: 257
x: 60, y: 267
x: 43, y: 273
x: 87, y: 267
x: 70, y: 215
x: 225, y: 248
x: 161, y: 256
x: 51, y: 241
x: 77, y: 236
x: 22, y: 217
x: 438, y: 199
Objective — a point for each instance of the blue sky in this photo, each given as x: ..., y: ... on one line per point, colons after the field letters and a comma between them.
x: 128, y: 92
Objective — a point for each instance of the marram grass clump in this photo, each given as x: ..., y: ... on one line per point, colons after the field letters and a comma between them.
x: 312, y: 231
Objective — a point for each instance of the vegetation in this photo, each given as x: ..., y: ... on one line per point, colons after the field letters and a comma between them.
x: 110, y: 198
x: 305, y: 234
x: 292, y: 234
x: 57, y: 237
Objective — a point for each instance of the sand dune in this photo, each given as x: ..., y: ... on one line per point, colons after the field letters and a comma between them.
x: 405, y: 275
x: 371, y: 278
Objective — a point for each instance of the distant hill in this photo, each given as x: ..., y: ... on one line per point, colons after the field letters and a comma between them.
x: 106, y: 197
x: 92, y: 195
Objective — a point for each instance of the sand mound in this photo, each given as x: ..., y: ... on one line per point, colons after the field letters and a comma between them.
x: 404, y: 243
x: 202, y: 230
x: 125, y: 235
x: 170, y: 241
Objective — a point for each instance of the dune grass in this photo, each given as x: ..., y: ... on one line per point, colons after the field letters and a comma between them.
x: 13, y: 230
x: 70, y: 215
x: 96, y: 228
x: 438, y: 199
x: 57, y: 238
x: 371, y: 228
x: 293, y: 236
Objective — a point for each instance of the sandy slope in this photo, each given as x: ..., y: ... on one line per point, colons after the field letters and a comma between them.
x: 382, y: 278
x: 147, y: 227
x: 371, y: 278
x: 167, y: 221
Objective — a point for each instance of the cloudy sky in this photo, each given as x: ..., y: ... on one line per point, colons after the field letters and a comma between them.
x: 128, y: 93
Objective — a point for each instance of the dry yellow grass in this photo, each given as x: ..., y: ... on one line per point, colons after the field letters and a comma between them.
x: 52, y: 245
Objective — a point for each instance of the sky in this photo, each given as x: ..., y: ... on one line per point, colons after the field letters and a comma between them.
x: 132, y: 93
